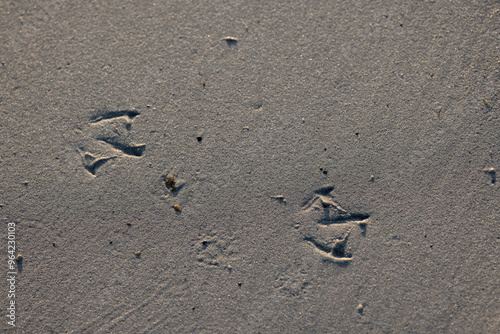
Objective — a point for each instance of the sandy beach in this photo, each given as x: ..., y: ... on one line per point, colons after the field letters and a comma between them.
x: 250, y: 167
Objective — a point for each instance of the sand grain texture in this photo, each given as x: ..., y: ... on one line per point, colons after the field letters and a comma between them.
x: 368, y: 119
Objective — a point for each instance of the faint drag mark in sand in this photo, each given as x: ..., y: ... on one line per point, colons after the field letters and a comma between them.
x: 326, y: 226
x: 108, y: 321
x: 107, y: 137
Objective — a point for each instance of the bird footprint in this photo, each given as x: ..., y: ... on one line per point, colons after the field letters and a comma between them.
x: 108, y: 137
x: 326, y: 226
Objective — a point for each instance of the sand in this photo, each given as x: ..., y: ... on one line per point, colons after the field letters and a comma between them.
x: 334, y: 166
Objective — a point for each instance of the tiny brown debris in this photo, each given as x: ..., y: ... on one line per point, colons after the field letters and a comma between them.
x: 438, y: 110
x: 19, y: 258
x: 177, y: 207
x: 138, y: 253
x: 170, y: 182
x: 129, y: 224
